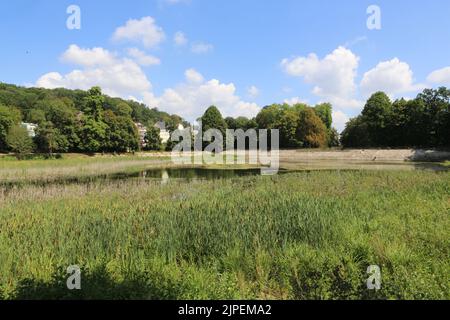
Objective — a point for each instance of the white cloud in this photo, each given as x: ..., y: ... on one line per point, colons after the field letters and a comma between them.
x: 295, y: 100
x: 339, y: 120
x: 191, y: 98
x: 253, y: 92
x: 180, y: 39
x: 201, y: 47
x: 143, y: 31
x: 332, y: 77
x: 192, y: 76
x: 393, y: 77
x: 142, y: 58
x: 441, y: 76
x: 88, y: 57
x: 117, y: 77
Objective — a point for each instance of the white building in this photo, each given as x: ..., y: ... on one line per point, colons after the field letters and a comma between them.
x: 142, y: 130
x: 31, y: 128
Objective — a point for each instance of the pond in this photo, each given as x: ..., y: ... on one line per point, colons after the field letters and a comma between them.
x: 203, y: 173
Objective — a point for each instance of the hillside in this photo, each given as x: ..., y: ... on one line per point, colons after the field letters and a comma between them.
x: 30, y: 100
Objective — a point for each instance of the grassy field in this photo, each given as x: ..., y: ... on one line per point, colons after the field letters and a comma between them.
x: 308, y: 235
x: 72, y: 166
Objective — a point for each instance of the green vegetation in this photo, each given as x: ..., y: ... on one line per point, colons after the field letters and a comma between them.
x: 422, y: 122
x: 19, y: 141
x: 300, y: 125
x: 72, y: 166
x: 308, y: 236
x: 76, y: 120
x: 153, y: 140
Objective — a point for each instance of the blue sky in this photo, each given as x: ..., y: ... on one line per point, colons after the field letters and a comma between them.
x: 238, y: 54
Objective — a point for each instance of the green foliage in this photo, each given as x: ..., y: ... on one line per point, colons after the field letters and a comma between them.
x: 356, y: 134
x: 301, y: 239
x: 324, y: 111
x: 121, y: 134
x: 18, y: 140
x: 288, y: 122
x: 376, y: 114
x: 153, y: 140
x: 299, y: 125
x: 93, y: 135
x: 49, y: 139
x: 333, y: 138
x: 93, y: 104
x: 268, y: 117
x: 8, y: 118
x: 422, y: 122
x: 212, y: 119
x: 77, y: 117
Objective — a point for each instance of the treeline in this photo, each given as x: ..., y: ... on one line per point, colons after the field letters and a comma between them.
x: 422, y: 122
x: 299, y: 125
x: 72, y: 120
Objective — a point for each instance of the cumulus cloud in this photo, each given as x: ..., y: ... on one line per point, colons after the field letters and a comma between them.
x: 441, y: 76
x: 201, y: 47
x: 117, y: 77
x: 393, y: 77
x: 88, y: 57
x: 180, y: 39
x: 144, y: 31
x: 190, y: 98
x: 192, y: 76
x: 253, y: 92
x: 295, y: 100
x: 339, y: 120
x: 332, y: 76
x: 142, y: 58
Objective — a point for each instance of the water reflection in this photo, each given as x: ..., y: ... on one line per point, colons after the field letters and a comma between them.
x: 200, y: 173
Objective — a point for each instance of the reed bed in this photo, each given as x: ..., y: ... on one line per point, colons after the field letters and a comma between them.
x: 307, y: 235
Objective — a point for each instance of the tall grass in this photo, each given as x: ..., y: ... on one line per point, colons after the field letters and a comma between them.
x: 72, y: 166
x: 294, y: 236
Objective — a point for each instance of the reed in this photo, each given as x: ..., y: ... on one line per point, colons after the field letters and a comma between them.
x: 307, y: 235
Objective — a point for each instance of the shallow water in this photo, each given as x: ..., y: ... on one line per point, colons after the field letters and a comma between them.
x: 203, y: 173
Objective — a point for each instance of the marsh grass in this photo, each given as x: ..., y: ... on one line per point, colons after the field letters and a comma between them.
x: 294, y: 236
x: 72, y: 167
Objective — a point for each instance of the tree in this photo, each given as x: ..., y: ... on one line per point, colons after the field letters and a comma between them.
x: 92, y: 135
x: 212, y: 119
x: 268, y: 117
x: 153, y: 140
x: 324, y: 111
x: 376, y: 114
x: 94, y: 103
x: 121, y: 134
x: 333, y: 138
x: 231, y: 123
x: 9, y: 117
x: 19, y: 141
x: 356, y: 134
x: 311, y: 130
x: 288, y: 123
x: 437, y: 115
x: 50, y: 140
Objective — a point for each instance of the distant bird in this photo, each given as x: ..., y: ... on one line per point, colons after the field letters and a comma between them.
x: 28, y: 52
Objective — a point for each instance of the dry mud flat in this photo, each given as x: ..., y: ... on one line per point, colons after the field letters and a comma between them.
x: 381, y: 155
x: 365, y: 155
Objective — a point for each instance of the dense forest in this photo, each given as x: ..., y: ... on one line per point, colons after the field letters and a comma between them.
x: 421, y: 122
x: 73, y: 120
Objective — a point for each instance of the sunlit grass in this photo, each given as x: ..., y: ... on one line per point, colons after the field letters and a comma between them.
x: 293, y: 236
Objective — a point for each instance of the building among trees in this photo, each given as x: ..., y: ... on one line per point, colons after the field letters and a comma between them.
x: 31, y: 128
